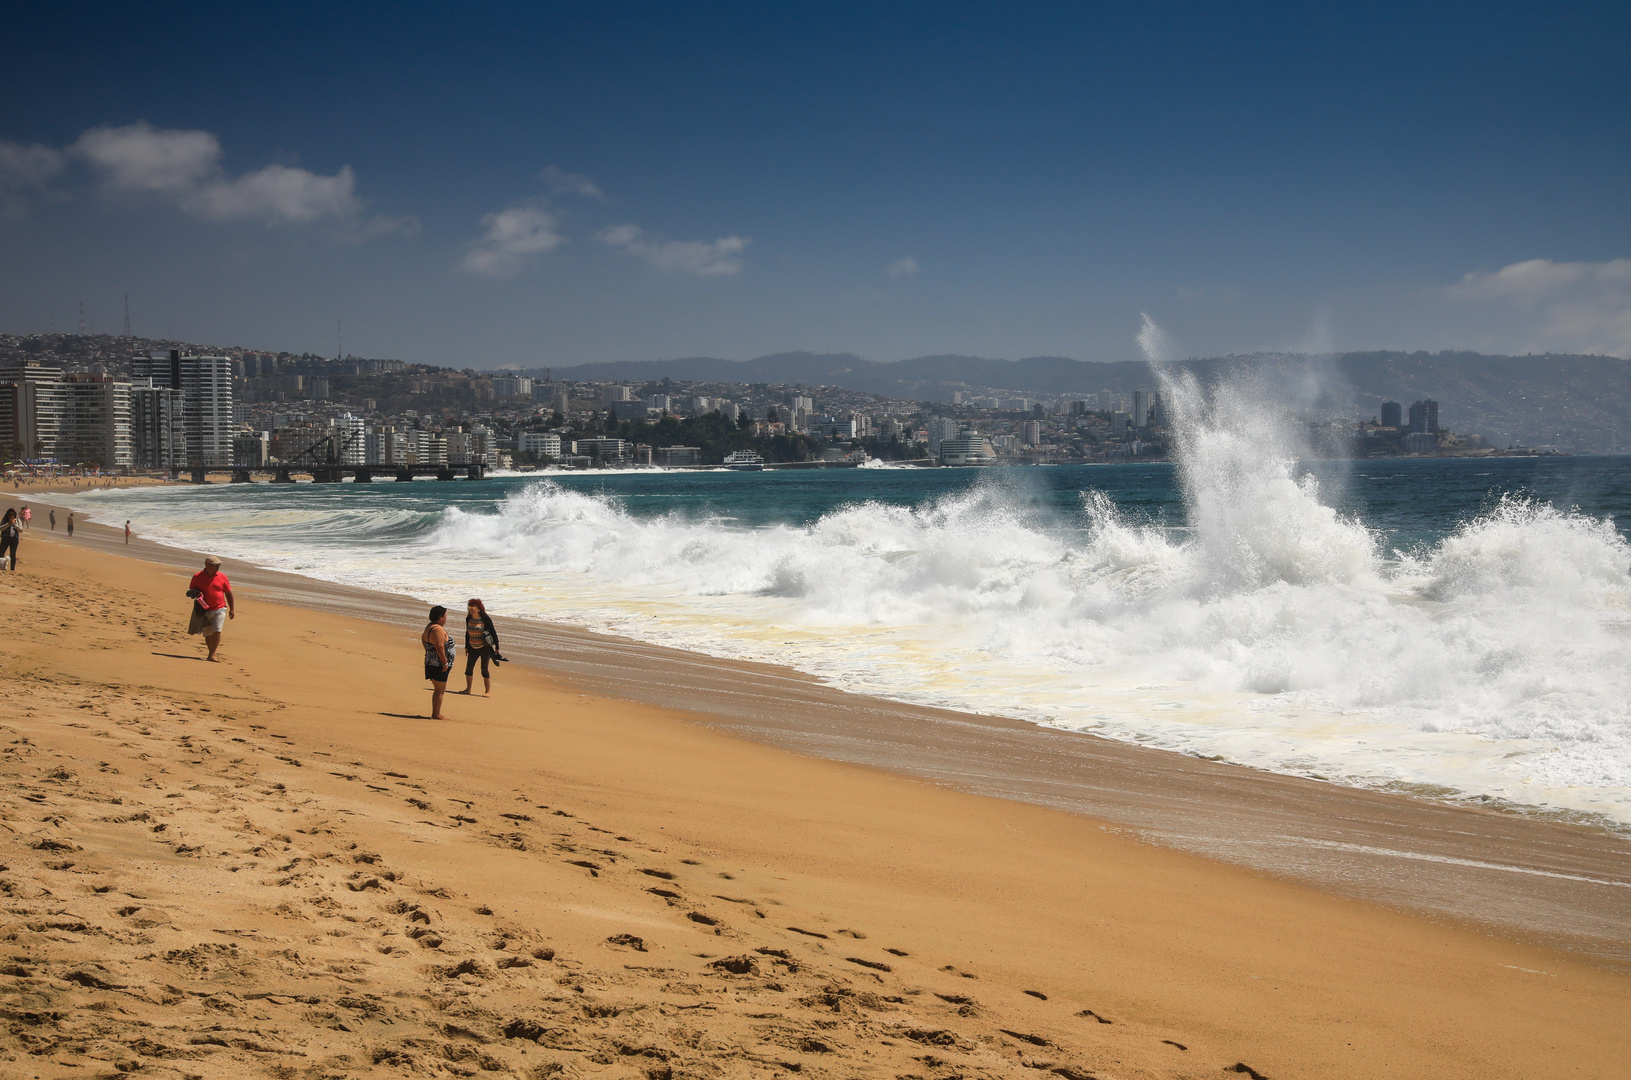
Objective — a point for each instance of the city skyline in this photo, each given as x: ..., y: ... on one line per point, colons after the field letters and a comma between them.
x: 549, y: 187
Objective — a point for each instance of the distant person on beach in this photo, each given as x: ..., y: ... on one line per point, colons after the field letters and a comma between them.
x: 213, y: 604
x: 438, y: 645
x: 480, y: 640
x: 53, y: 521
x: 28, y: 517
x: 70, y: 525
x: 11, y: 533
x: 127, y: 530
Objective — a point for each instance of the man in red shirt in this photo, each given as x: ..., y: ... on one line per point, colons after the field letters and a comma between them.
x: 212, y: 604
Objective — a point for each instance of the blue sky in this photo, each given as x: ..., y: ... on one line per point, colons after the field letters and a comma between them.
x: 496, y: 184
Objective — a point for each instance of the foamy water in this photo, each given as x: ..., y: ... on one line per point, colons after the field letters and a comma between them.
x: 1268, y: 629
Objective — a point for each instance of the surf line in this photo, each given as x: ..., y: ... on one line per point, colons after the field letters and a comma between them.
x: 1424, y: 857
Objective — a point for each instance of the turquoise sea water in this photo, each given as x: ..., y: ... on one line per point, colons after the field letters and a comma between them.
x: 1457, y: 626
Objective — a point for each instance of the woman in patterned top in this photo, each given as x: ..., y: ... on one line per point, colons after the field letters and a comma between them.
x: 480, y: 640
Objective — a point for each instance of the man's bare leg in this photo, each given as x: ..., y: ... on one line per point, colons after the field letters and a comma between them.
x: 214, y: 642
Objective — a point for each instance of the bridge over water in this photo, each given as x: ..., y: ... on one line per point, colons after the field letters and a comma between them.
x: 332, y: 474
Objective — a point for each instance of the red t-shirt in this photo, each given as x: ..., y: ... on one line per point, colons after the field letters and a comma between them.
x: 214, y: 589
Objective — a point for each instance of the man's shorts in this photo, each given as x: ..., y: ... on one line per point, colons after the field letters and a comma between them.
x: 437, y: 674
x: 215, y: 621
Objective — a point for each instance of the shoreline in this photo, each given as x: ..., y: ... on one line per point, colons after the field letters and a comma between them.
x: 1535, y: 878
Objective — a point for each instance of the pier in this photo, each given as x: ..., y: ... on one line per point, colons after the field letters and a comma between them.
x: 332, y: 474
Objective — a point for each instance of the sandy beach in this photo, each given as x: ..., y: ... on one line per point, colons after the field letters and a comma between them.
x: 279, y: 866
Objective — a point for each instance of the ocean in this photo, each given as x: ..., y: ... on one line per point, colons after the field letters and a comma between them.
x: 1450, y: 628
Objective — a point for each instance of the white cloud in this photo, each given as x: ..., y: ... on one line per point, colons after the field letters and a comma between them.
x: 1582, y: 306
x: 27, y: 166
x: 24, y: 169
x: 903, y: 267
x: 138, y: 157
x: 565, y: 183
x: 696, y: 257
x: 279, y: 193
x: 511, y: 239
x: 185, y: 167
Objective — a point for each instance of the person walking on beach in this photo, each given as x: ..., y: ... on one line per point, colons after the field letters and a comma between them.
x: 438, y: 645
x: 11, y: 533
x: 28, y: 517
x: 70, y: 524
x: 213, y: 604
x: 53, y: 521
x: 127, y: 532
x: 480, y: 640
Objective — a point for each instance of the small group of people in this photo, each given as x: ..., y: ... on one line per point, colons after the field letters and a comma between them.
x: 480, y: 643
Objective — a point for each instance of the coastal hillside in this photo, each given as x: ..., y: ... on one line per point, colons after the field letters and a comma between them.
x: 1554, y: 399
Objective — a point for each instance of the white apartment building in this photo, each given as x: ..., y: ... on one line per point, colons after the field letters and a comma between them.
x: 506, y: 386
x: 95, y: 424
x: 31, y: 409
x: 351, y: 439
x: 541, y: 443
x: 941, y: 428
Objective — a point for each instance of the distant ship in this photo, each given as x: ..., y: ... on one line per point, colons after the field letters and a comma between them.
x: 746, y: 460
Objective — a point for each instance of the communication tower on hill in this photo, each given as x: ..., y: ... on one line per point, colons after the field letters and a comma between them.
x: 82, y: 318
x: 127, y: 315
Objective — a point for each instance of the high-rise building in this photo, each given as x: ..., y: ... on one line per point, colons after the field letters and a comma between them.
x: 506, y: 386
x: 351, y: 439
x: 1031, y: 433
x: 158, y: 427
x: 1106, y: 401
x: 1142, y: 400
x: 205, y: 383
x: 941, y: 428
x: 1392, y: 414
x: 95, y: 422
x: 31, y: 409
x: 1424, y: 417
x: 614, y: 395
x: 659, y: 401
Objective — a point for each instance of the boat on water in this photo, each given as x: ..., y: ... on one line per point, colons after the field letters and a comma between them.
x: 745, y: 460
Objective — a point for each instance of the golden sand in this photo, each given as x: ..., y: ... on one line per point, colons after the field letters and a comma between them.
x: 277, y: 865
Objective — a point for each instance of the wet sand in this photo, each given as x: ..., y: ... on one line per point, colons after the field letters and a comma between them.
x: 278, y: 865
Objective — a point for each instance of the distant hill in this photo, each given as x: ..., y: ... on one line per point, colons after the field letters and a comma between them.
x: 1573, y: 401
